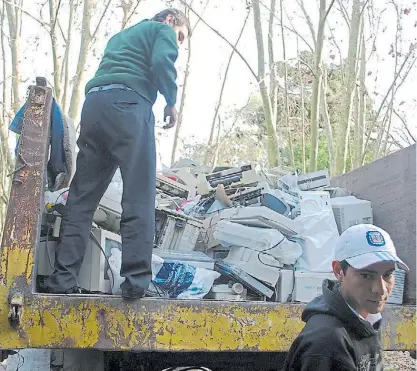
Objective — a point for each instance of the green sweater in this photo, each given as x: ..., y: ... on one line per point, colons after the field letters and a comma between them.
x: 141, y: 57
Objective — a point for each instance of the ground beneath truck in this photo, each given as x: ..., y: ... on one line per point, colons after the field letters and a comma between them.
x: 394, y: 361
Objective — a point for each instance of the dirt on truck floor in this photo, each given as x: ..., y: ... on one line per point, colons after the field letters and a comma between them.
x: 399, y: 361
x: 393, y: 361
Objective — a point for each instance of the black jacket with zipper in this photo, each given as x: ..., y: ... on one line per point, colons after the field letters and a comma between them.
x: 335, y: 338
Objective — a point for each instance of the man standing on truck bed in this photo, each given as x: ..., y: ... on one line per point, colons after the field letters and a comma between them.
x: 342, y: 331
x: 117, y: 130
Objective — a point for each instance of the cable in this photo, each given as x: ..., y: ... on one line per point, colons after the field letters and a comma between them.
x: 270, y: 248
x: 289, y: 299
x: 56, y: 201
x: 46, y: 247
x: 97, y: 242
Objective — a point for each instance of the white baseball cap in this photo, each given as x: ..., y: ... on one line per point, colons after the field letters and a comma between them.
x: 365, y: 244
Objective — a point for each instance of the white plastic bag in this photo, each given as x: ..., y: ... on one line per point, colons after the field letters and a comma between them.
x: 115, y: 263
x: 184, y: 281
x: 318, y: 239
x: 201, y: 285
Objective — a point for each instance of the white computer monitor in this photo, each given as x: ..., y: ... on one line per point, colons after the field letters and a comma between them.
x: 93, y: 272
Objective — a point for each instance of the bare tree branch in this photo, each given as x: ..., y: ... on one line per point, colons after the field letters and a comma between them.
x: 373, y: 48
x: 223, y: 38
x: 61, y: 31
x: 329, y: 9
x: 131, y: 14
x: 219, y: 101
x: 333, y: 41
x: 56, y: 16
x: 406, y: 128
x: 288, y: 28
x: 386, y: 96
x: 344, y: 13
x: 93, y: 36
x: 308, y: 20
x: 43, y: 24
x: 226, y: 135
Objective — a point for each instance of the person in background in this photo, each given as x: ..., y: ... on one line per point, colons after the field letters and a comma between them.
x: 342, y: 331
x: 117, y: 130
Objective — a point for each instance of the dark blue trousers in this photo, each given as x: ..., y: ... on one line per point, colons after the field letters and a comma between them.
x: 117, y: 130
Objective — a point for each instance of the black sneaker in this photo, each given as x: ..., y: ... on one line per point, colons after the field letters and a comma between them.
x: 133, y: 294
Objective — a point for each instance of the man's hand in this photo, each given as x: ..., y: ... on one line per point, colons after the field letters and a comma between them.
x: 172, y: 113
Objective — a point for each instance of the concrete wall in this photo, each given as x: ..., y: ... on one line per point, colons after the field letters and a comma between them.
x: 390, y: 184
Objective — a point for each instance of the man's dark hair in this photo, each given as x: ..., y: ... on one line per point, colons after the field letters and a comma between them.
x: 180, y: 18
x: 345, y: 265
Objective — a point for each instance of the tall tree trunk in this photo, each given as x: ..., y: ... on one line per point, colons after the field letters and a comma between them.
x: 344, y: 129
x: 182, y: 104
x: 302, y: 109
x: 86, y: 40
x: 381, y: 132
x: 386, y: 132
x: 354, y: 143
x: 4, y: 65
x: 286, y: 109
x: 53, y: 13
x: 82, y: 58
x: 65, y: 62
x: 327, y: 123
x: 359, y: 141
x: 273, y: 91
x: 317, y: 84
x: 187, y: 9
x: 216, y: 152
x: 6, y: 160
x: 13, y: 18
x: 273, y: 155
x: 210, y: 144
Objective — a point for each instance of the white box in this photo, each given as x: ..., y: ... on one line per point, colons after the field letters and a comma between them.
x: 308, y: 285
x: 349, y: 211
x: 285, y: 285
x: 316, y: 179
x: 261, y: 266
x: 397, y: 292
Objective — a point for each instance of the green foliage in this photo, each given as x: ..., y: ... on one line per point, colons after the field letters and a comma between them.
x: 323, y: 154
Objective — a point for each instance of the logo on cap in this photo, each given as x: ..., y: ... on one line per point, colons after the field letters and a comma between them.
x: 375, y: 238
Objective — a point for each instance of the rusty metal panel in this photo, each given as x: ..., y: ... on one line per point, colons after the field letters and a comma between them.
x: 111, y: 323
x: 21, y: 229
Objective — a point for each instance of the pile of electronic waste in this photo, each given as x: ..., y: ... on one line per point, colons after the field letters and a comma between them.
x: 233, y: 233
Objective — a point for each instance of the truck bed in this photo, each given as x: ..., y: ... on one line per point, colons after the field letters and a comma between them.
x: 32, y: 320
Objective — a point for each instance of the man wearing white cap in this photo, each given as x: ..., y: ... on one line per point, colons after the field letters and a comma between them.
x: 342, y: 331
